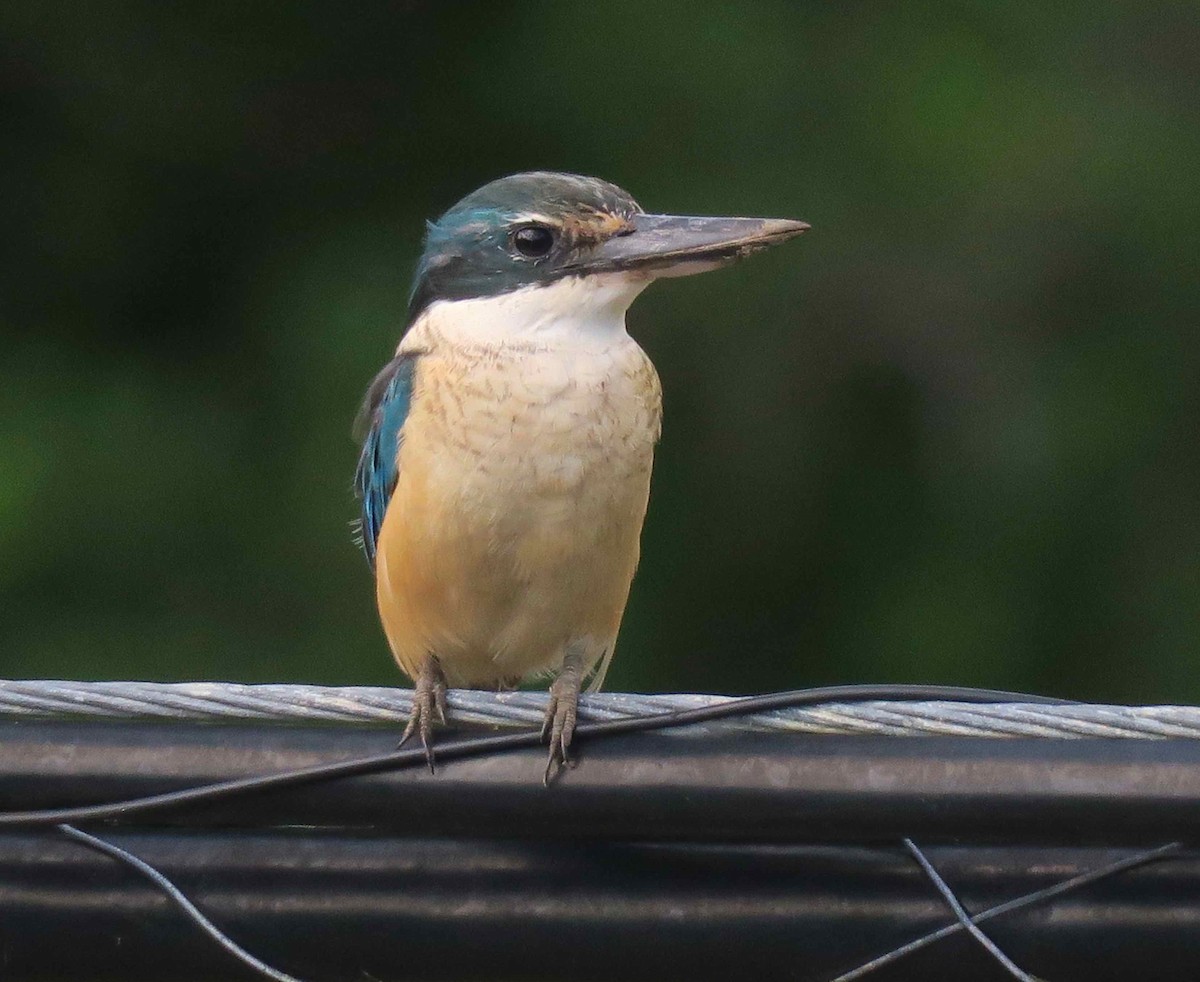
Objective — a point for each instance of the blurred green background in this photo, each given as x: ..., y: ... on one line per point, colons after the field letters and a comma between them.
x: 950, y: 435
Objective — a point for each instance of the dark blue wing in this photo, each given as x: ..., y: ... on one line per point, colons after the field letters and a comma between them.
x: 384, y: 410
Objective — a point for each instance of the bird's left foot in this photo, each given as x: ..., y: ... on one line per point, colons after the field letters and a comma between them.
x: 561, y: 713
x: 428, y: 706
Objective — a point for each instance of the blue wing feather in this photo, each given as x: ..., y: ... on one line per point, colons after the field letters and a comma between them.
x: 385, y: 410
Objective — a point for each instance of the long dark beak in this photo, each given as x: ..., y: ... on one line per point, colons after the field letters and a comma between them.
x: 676, y: 245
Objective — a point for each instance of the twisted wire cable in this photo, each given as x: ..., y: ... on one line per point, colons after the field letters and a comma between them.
x: 289, y: 703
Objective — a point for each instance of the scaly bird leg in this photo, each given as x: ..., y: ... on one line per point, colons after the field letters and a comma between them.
x: 428, y: 705
x: 562, y: 710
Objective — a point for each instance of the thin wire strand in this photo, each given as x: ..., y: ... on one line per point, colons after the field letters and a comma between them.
x: 964, y: 918
x: 482, y: 745
x: 1018, y: 903
x: 176, y: 895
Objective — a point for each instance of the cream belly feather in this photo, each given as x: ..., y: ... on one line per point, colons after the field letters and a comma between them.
x: 524, y: 469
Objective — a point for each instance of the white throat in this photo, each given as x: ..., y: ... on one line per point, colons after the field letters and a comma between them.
x: 575, y: 310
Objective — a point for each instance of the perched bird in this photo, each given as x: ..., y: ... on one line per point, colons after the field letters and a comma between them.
x: 506, y: 464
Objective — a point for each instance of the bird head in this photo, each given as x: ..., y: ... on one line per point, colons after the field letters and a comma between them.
x: 536, y: 229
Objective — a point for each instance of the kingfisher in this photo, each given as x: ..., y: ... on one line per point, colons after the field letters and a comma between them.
x: 505, y: 468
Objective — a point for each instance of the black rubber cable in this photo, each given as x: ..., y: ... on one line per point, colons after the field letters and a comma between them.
x: 482, y: 745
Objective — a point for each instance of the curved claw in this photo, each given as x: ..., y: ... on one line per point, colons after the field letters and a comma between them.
x: 428, y: 707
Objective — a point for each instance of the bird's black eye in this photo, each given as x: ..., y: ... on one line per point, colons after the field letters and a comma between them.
x: 533, y: 241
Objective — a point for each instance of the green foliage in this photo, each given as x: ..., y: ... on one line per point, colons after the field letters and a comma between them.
x: 950, y: 435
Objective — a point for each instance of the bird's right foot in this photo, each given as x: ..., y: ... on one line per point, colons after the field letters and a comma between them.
x: 428, y: 707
